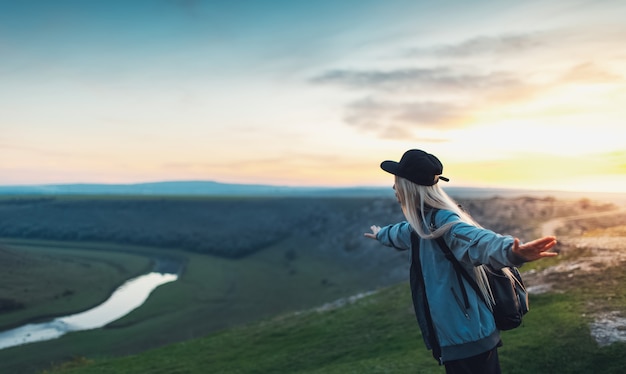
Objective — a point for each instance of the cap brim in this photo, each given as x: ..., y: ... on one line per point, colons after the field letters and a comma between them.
x: 390, y: 167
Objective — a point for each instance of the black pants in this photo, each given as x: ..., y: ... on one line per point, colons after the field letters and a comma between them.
x: 484, y: 363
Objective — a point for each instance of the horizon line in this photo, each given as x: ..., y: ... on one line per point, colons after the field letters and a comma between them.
x: 286, y: 186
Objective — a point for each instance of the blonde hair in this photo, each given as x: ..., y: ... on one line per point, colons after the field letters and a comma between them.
x: 416, y: 199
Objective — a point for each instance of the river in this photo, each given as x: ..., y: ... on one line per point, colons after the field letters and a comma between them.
x: 125, y: 299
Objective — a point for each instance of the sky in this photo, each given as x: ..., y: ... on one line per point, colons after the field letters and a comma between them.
x: 514, y: 94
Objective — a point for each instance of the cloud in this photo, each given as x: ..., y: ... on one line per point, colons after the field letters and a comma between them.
x: 391, y: 80
x: 590, y: 72
x: 439, y: 98
x: 481, y: 46
x: 381, y: 116
x: 418, y: 79
x: 428, y: 90
x: 443, y: 96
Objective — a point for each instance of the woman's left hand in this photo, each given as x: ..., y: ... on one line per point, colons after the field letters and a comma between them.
x: 535, y: 249
x: 372, y: 235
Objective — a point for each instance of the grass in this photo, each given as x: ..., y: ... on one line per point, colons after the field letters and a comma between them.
x: 377, y: 334
x: 45, y: 281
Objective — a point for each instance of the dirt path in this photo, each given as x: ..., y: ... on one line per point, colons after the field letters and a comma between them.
x: 549, y: 227
x: 598, y: 253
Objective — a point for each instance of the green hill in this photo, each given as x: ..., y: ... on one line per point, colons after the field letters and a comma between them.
x: 377, y: 334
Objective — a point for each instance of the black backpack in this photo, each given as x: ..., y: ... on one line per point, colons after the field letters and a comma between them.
x: 507, y: 287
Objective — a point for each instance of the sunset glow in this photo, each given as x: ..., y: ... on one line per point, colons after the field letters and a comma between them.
x: 507, y: 94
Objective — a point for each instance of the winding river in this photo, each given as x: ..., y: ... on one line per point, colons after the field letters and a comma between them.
x: 125, y: 299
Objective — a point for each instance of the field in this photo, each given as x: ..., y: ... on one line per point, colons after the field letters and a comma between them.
x: 209, y: 314
x: 41, y: 279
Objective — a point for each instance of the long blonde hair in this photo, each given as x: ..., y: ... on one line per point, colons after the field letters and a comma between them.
x: 416, y: 199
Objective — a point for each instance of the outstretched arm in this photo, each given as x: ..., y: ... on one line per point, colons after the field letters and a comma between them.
x: 397, y: 235
x: 535, y: 249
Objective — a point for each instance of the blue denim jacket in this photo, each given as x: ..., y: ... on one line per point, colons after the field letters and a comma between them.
x: 460, y: 332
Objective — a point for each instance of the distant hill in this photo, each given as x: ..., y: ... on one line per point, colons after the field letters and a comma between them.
x: 194, y: 188
x: 212, y: 188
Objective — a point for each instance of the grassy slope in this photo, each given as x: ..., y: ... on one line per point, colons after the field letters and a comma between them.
x: 377, y: 334
x: 44, y: 280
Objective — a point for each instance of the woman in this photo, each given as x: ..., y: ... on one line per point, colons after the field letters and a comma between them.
x: 462, y: 335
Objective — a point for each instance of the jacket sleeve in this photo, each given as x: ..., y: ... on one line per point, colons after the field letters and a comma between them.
x: 397, y: 236
x: 478, y: 245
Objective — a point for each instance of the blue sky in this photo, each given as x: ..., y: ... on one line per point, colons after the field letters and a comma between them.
x: 506, y: 93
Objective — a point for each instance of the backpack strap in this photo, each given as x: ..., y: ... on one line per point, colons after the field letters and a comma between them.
x: 418, y: 293
x: 459, y: 269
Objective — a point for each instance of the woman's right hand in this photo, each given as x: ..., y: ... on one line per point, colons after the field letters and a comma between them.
x: 536, y: 249
x: 372, y: 235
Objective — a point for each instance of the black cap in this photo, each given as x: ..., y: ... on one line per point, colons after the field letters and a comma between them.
x: 417, y: 166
